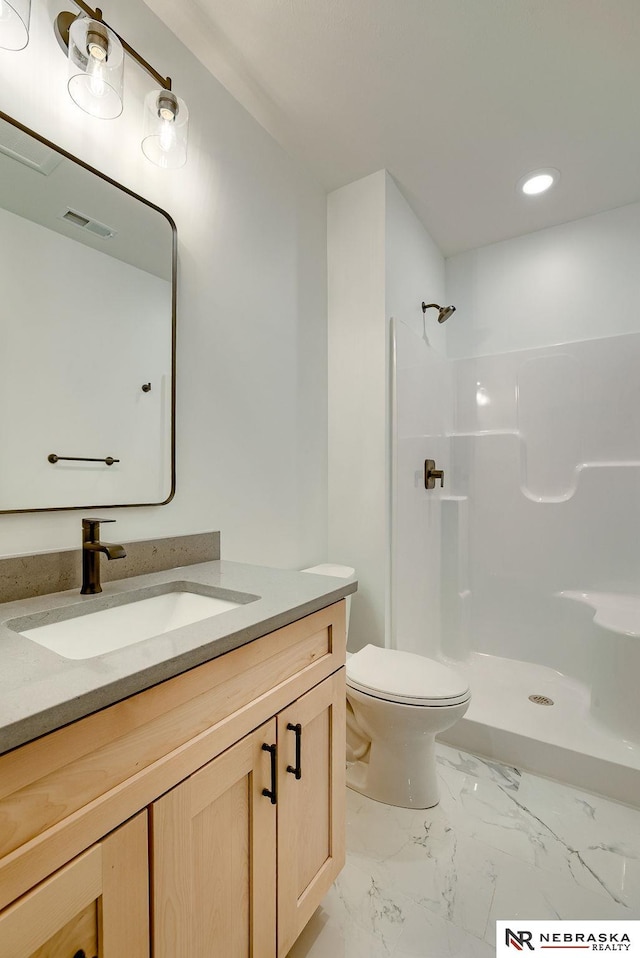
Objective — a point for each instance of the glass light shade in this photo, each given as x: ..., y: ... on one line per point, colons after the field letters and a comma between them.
x: 166, y: 129
x: 96, y: 68
x: 14, y: 24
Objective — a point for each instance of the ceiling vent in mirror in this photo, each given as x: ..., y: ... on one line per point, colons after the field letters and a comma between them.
x: 27, y: 150
x: 86, y: 223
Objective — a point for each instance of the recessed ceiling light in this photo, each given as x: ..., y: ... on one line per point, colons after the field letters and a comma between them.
x: 539, y: 181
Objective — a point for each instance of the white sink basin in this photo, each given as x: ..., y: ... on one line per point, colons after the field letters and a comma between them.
x: 88, y: 634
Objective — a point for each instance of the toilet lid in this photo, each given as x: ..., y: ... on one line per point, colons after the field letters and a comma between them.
x: 405, y: 677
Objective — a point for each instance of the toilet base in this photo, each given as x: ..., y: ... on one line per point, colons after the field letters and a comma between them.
x: 385, y: 776
x: 391, y: 747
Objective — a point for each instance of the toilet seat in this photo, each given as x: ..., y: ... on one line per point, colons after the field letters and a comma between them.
x: 405, y: 678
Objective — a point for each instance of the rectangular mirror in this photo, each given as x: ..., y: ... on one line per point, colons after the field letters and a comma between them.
x: 87, y: 335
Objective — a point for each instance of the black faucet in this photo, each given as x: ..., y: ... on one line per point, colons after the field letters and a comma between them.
x: 91, y: 549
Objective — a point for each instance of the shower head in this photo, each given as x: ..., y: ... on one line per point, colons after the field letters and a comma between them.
x: 443, y: 311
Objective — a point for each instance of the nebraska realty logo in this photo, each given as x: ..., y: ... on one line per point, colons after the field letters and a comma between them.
x: 622, y: 937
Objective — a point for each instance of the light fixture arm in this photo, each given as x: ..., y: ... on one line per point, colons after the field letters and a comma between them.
x: 65, y: 19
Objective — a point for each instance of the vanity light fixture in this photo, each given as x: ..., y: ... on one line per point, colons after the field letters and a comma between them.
x: 539, y: 181
x: 166, y: 123
x: 96, y: 68
x: 14, y: 24
x: 96, y: 75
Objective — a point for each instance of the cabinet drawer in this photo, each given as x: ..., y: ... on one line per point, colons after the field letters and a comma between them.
x: 60, y: 793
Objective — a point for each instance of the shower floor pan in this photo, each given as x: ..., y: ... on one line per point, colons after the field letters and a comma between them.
x: 561, y: 741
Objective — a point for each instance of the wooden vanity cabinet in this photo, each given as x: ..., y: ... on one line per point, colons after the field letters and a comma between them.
x: 245, y: 849
x: 311, y: 804
x: 213, y: 841
x: 188, y: 767
x: 96, y: 906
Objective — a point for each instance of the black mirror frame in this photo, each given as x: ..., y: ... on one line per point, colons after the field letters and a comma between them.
x: 174, y: 298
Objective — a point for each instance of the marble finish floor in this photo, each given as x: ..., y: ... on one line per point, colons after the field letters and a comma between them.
x: 502, y: 844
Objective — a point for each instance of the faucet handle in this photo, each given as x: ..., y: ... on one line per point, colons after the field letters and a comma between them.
x: 432, y: 475
x: 91, y: 528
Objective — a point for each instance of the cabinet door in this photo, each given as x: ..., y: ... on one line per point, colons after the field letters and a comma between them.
x: 213, y: 858
x: 311, y: 803
x: 97, y: 905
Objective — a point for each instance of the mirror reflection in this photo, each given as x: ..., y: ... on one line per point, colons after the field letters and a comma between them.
x: 87, y: 328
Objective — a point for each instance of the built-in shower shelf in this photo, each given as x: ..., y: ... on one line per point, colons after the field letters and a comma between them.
x: 614, y: 611
x: 610, y: 464
x: 544, y: 475
x: 483, y: 432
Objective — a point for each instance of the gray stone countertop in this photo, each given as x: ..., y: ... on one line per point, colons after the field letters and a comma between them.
x: 41, y: 691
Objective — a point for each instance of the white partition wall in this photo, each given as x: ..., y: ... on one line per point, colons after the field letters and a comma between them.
x: 358, y: 356
x: 382, y: 264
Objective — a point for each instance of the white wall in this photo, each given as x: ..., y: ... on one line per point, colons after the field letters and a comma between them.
x: 358, y: 358
x: 382, y: 264
x: 571, y: 282
x: 415, y: 270
x: 251, y: 426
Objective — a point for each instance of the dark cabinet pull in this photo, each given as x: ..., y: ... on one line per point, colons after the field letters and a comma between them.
x: 272, y: 793
x: 297, y: 770
x: 81, y: 954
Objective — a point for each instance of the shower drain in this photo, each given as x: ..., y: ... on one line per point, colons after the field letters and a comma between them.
x: 541, y: 699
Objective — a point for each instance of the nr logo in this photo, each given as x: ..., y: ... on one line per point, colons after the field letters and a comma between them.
x: 518, y: 939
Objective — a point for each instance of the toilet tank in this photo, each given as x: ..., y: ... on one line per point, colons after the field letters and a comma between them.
x: 339, y: 572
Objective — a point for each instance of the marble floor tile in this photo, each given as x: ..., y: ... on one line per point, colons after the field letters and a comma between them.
x: 331, y: 934
x: 547, y: 825
x: 529, y: 893
x: 480, y: 769
x: 502, y: 844
x: 427, y: 936
x: 363, y: 902
x: 602, y: 835
x: 453, y: 878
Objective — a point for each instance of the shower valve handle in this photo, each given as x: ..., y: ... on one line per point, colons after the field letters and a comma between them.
x: 431, y: 474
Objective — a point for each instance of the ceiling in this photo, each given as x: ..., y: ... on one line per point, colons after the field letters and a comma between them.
x: 457, y: 99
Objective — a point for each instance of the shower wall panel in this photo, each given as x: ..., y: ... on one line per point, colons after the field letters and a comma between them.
x: 423, y: 608
x: 546, y: 447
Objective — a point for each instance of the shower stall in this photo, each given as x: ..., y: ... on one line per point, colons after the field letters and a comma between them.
x: 524, y: 567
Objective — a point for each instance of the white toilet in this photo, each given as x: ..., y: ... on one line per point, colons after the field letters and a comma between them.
x: 397, y: 702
